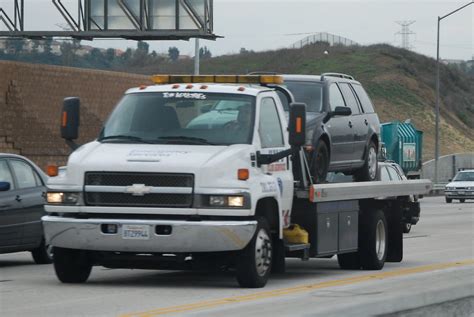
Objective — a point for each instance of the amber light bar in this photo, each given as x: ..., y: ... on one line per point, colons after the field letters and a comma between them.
x: 219, y: 79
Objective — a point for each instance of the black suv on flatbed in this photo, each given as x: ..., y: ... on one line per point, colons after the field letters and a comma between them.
x: 342, y: 125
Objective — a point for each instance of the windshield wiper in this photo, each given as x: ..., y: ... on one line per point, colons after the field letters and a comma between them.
x: 186, y: 138
x: 125, y: 137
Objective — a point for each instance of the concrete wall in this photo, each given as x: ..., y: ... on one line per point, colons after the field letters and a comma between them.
x: 31, y: 98
x: 448, y: 165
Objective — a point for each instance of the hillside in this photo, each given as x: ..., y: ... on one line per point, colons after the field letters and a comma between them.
x: 401, y: 84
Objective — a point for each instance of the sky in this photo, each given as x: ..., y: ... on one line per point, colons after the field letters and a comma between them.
x: 271, y: 24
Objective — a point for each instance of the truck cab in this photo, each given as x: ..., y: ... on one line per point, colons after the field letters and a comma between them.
x: 176, y: 170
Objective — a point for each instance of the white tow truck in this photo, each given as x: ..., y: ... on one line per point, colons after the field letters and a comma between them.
x: 199, y: 171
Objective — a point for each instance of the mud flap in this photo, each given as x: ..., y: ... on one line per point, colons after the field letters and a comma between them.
x: 395, y: 233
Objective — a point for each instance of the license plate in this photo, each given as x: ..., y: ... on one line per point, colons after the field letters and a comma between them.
x: 461, y: 193
x: 136, y: 232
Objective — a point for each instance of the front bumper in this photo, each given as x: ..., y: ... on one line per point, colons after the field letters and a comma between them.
x: 459, y: 194
x: 186, y: 236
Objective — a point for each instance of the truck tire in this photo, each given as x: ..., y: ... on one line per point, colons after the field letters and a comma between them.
x: 43, y: 254
x: 278, y: 257
x: 349, y: 261
x: 320, y: 164
x: 71, y: 266
x: 254, y: 263
x: 373, y: 246
x: 368, y: 171
x: 406, y: 227
x: 449, y: 200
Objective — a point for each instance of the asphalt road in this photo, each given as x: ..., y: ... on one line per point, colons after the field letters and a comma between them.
x: 438, y: 265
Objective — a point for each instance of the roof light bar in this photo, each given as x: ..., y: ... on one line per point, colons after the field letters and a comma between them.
x: 221, y: 79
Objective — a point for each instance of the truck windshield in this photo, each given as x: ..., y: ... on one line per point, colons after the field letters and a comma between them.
x: 310, y: 93
x: 181, y: 118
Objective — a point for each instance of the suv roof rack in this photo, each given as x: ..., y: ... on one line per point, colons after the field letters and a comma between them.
x: 263, y: 73
x: 339, y: 75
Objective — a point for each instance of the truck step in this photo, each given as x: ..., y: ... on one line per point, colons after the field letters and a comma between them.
x: 301, y: 250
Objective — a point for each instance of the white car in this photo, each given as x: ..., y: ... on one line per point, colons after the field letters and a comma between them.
x: 461, y: 187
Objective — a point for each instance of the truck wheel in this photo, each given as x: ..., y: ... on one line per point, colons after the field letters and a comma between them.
x: 406, y: 227
x: 368, y: 172
x: 373, y: 250
x: 255, y: 261
x: 278, y: 258
x: 71, y: 266
x: 320, y: 165
x: 449, y: 200
x: 462, y: 200
x: 349, y: 261
x: 43, y: 254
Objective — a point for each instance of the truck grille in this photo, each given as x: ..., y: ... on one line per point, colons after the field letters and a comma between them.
x: 110, y: 197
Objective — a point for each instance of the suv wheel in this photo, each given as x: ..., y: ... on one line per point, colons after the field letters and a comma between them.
x: 368, y: 172
x: 320, y: 165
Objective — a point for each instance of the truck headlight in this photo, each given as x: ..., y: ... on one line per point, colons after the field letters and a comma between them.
x: 62, y: 198
x: 226, y: 201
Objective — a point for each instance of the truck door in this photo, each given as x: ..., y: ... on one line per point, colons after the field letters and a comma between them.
x: 11, y: 219
x: 32, y: 201
x: 273, y: 140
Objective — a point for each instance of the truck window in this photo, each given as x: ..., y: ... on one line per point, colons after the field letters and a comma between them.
x: 335, y: 97
x: 364, y: 99
x: 221, y: 119
x: 309, y: 93
x: 270, y: 127
x: 351, y: 100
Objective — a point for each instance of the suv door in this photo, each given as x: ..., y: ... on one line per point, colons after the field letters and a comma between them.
x: 340, y: 130
x: 360, y: 124
x: 32, y: 199
x: 11, y: 220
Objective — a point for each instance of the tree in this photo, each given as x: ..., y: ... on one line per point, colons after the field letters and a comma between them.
x: 204, y: 53
x: 143, y: 47
x: 173, y: 53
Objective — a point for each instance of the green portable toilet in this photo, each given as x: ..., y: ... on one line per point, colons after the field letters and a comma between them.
x: 404, y: 145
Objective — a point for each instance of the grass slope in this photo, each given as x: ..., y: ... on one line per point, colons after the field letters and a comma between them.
x: 401, y: 84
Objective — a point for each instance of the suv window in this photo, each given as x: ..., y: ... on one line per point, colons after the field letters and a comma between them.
x: 5, y: 174
x: 270, y: 126
x: 309, y: 93
x: 351, y: 100
x: 364, y: 99
x: 24, y: 174
x: 335, y: 97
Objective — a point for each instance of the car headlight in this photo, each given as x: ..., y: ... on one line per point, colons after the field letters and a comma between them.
x: 226, y: 201
x: 62, y: 198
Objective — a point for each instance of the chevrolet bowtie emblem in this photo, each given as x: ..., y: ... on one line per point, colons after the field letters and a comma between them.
x: 138, y: 190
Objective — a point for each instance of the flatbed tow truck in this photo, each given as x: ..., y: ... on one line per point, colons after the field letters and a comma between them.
x: 205, y: 171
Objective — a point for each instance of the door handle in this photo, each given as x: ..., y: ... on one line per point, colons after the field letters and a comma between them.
x: 350, y: 124
x: 366, y: 122
x: 18, y: 198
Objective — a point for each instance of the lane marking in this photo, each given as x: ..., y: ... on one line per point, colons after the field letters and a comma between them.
x: 298, y: 289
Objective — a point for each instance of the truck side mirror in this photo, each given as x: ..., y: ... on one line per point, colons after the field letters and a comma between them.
x: 70, y: 120
x: 297, y: 124
x: 4, y: 186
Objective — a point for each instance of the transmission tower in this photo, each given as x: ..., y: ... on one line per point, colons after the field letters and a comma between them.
x: 405, y: 32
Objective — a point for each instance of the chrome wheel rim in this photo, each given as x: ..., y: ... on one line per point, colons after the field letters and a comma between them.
x: 380, y: 240
x: 372, y: 162
x: 263, y: 252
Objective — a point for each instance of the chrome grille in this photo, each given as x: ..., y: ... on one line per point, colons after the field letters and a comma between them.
x: 108, y: 195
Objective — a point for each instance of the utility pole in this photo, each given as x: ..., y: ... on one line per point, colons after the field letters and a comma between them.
x: 437, y: 91
x: 405, y: 32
